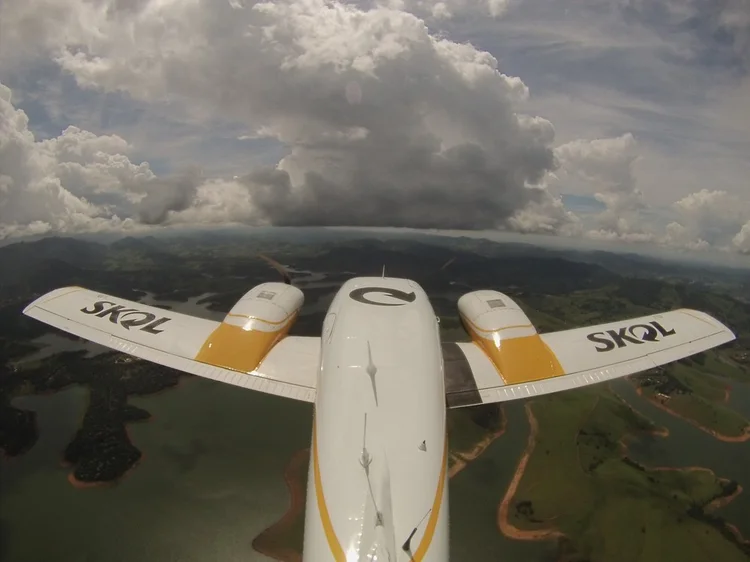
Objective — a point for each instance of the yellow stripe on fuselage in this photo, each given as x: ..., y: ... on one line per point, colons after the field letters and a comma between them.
x: 325, y: 517
x: 429, y: 532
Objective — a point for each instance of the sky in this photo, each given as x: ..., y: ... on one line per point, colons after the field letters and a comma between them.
x: 622, y: 121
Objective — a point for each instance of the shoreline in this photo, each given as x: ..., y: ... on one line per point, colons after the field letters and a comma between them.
x: 657, y: 431
x: 718, y: 503
x: 506, y: 527
x: 266, y: 542
x: 461, y: 459
x: 81, y: 485
x: 511, y: 531
x: 745, y: 436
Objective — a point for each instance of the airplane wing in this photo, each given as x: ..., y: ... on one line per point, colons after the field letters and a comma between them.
x: 179, y: 341
x: 544, y: 363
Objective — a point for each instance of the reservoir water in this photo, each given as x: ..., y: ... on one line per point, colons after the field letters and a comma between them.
x: 688, y: 445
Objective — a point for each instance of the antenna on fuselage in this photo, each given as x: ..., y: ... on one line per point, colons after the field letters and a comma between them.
x: 406, y: 547
x: 371, y: 370
x: 365, y: 460
x: 383, y: 271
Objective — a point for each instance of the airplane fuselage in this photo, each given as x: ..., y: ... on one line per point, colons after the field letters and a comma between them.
x: 378, y: 465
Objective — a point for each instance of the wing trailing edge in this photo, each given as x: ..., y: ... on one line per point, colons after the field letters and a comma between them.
x: 569, y: 359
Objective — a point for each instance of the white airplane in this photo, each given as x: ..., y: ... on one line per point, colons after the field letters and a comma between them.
x: 380, y: 380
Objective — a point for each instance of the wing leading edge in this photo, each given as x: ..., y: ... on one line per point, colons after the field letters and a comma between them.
x: 180, y: 341
x: 538, y: 364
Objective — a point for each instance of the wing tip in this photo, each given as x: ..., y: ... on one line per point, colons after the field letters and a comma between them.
x: 705, y: 317
x: 53, y: 294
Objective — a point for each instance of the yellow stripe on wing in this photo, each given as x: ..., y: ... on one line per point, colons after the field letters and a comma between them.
x: 520, y: 360
x: 233, y: 347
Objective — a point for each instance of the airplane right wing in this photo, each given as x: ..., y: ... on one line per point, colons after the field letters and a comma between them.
x: 494, y: 368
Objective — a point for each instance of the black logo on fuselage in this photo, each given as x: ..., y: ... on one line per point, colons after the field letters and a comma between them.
x: 636, y: 334
x: 359, y: 295
x: 127, y: 317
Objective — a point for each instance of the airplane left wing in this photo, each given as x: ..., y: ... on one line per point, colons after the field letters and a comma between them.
x: 500, y: 365
x: 287, y: 366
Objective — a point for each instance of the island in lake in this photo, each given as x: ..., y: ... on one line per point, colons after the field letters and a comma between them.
x: 101, y: 451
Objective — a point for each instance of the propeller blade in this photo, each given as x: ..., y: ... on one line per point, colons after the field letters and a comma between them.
x: 278, y: 267
x: 446, y: 264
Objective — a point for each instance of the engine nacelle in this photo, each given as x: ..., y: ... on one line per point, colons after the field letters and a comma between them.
x: 503, y: 331
x: 265, y: 307
x: 493, y: 315
x: 252, y: 327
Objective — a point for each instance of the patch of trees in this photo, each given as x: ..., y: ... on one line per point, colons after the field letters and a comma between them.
x: 18, y: 430
x: 664, y: 383
x: 488, y: 416
x: 101, y: 449
x: 525, y: 509
x: 720, y: 524
x: 630, y: 462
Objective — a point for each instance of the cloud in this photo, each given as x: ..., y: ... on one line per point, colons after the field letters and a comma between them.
x: 711, y: 32
x: 681, y: 237
x: 165, y: 195
x: 388, y: 113
x: 80, y: 182
x: 385, y: 123
x: 446, y: 9
x: 707, y: 209
x: 217, y: 202
x: 604, y: 167
x: 65, y: 184
x: 708, y: 218
x: 595, y: 74
x: 419, y: 186
x: 741, y: 241
x: 546, y: 217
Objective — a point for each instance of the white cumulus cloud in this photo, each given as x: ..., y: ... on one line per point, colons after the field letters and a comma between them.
x: 709, y: 218
x: 742, y: 240
x: 385, y: 123
x: 605, y: 168
x: 64, y: 184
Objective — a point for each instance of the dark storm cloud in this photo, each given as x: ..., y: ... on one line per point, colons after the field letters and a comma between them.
x: 462, y: 188
x: 168, y: 194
